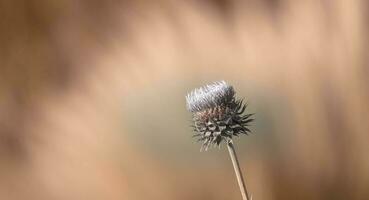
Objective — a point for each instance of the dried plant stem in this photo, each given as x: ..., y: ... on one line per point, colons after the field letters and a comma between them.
x: 237, y: 169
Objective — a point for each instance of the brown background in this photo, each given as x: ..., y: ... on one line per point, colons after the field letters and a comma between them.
x: 92, y: 98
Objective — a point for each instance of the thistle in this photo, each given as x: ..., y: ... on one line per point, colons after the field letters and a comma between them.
x: 217, y: 117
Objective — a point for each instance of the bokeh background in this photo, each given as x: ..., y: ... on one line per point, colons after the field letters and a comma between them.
x: 92, y: 98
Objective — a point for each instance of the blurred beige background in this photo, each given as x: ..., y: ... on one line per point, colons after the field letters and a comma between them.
x: 92, y: 98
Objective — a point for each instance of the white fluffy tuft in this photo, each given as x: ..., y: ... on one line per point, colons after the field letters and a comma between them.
x: 209, y: 96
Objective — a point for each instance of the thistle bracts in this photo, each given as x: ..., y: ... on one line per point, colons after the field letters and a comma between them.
x: 217, y: 115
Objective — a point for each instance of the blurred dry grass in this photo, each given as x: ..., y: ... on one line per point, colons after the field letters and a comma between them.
x: 92, y: 98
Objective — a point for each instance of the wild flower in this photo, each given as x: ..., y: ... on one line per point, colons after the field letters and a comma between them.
x: 217, y: 114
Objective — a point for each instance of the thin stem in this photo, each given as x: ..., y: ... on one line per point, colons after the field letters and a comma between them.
x: 237, y: 169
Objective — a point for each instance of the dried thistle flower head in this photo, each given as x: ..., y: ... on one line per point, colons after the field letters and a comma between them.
x: 217, y: 115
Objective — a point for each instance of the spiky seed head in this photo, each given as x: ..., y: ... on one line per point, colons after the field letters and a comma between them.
x: 217, y: 114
